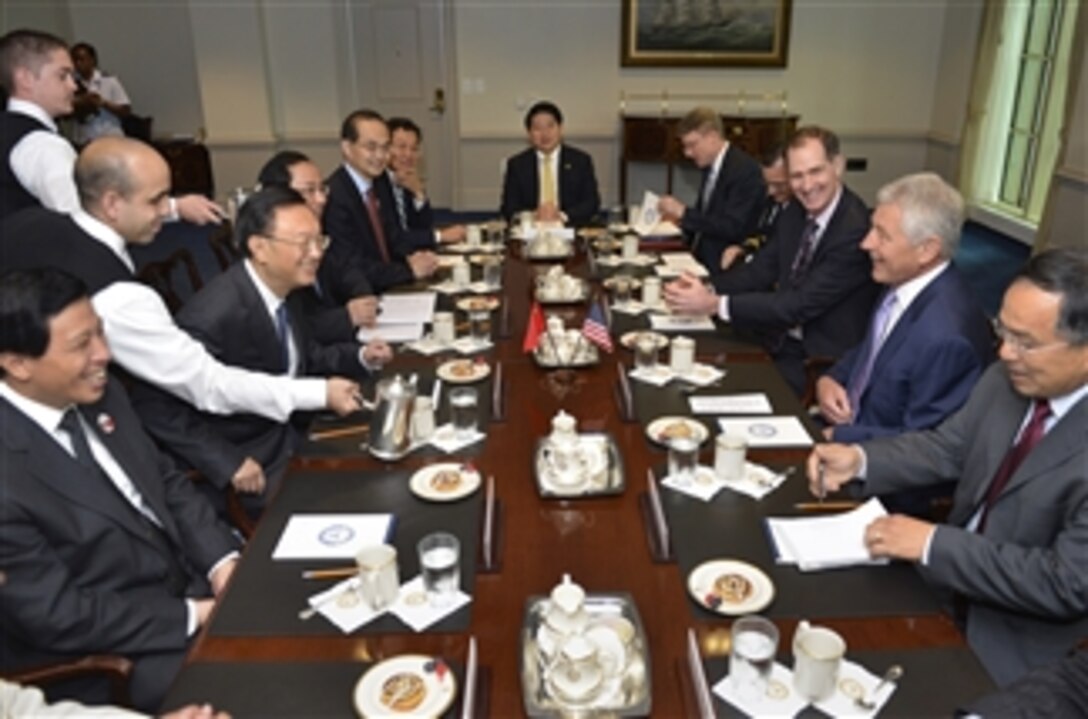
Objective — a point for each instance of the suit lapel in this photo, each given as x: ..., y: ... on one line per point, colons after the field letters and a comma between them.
x: 262, y: 331
x: 1064, y: 439
x: 904, y: 328
x: 51, y: 465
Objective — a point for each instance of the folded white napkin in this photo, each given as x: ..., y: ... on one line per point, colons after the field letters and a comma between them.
x: 704, y: 486
x: 758, y: 481
x: 449, y: 287
x: 445, y: 439
x: 633, y: 307
x: 414, y: 609
x: 466, y: 345
x: 659, y: 375
x: 342, y: 605
x: 854, y: 678
x: 780, y: 700
x: 701, y: 374
x: 639, y: 260
x: 428, y: 345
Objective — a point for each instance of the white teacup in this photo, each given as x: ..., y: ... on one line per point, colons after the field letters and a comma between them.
x: 629, y: 246
x: 462, y: 274
x: 472, y: 235
x: 379, y: 580
x: 651, y: 291
x: 730, y: 457
x: 682, y: 354
x: 817, y: 655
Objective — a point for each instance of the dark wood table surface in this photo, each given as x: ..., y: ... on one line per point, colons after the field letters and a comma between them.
x: 601, y: 542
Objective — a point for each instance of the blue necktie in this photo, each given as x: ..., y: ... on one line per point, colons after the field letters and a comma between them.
x: 283, y: 330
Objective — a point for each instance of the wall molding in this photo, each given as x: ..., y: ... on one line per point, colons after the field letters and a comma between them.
x: 942, y: 138
x: 1073, y: 175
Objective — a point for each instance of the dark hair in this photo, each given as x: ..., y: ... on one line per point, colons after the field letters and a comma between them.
x: 86, y: 47
x: 349, y: 132
x: 29, y: 299
x: 406, y: 124
x: 1063, y: 271
x: 544, y: 106
x: 702, y: 120
x: 27, y: 49
x: 826, y: 137
x: 773, y: 154
x: 257, y: 216
x: 277, y: 171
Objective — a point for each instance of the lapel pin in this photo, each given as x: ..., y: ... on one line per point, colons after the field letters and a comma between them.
x: 106, y: 423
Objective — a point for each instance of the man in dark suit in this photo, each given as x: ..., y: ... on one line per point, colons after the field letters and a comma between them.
x: 1014, y: 546
x: 105, y: 547
x: 414, y: 212
x: 331, y: 321
x: 551, y: 179
x: 248, y: 317
x: 368, y: 250
x: 727, y: 209
x: 809, y: 291
x: 772, y: 164
x: 928, y: 340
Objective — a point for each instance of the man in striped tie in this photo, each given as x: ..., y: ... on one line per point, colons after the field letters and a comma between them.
x: 1013, y: 550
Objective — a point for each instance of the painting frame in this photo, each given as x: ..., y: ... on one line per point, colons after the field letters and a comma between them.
x: 672, y: 42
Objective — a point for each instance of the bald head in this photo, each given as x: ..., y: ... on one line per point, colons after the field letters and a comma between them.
x: 125, y: 184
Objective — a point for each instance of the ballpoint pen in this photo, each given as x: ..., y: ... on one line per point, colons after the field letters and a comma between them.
x: 820, y: 485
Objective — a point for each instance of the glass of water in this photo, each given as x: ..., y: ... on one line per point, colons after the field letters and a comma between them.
x: 463, y: 411
x: 751, y: 656
x: 645, y: 352
x: 440, y: 564
x: 479, y: 326
x: 622, y: 288
x: 683, y: 459
x: 493, y: 272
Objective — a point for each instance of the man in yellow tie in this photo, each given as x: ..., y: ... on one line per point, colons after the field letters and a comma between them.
x: 553, y: 180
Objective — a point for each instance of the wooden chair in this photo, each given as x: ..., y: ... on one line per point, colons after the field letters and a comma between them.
x: 115, y: 669
x: 221, y: 240
x: 814, y: 368
x: 161, y: 275
x: 236, y: 512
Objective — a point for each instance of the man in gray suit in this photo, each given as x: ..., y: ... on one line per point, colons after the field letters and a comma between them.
x: 1014, y: 550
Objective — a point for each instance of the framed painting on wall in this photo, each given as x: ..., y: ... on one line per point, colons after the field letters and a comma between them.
x: 692, y: 33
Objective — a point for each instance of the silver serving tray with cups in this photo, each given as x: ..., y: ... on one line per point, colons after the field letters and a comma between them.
x: 609, y: 480
x: 586, y: 356
x: 625, y: 691
x: 580, y: 296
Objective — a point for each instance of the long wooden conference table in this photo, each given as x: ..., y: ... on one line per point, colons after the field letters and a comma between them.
x: 258, y: 659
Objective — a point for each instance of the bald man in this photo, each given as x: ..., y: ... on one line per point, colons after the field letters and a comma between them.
x: 123, y: 189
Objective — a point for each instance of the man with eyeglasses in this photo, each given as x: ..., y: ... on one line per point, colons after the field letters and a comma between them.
x: 1014, y: 550
x: 123, y: 187
x: 331, y: 321
x: 368, y: 247
x: 250, y: 317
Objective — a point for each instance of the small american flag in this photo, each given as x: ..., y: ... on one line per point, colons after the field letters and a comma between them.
x: 595, y: 329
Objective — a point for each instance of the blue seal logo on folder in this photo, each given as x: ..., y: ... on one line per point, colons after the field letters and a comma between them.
x: 336, y: 534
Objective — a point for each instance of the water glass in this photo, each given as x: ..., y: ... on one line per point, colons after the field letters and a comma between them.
x: 622, y: 288
x: 462, y: 274
x: 683, y: 459
x: 645, y: 353
x: 464, y: 405
x: 440, y: 565
x: 493, y: 273
x: 751, y: 657
x: 479, y: 326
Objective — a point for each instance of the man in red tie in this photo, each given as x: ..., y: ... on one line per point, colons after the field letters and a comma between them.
x: 1015, y: 545
x: 368, y: 250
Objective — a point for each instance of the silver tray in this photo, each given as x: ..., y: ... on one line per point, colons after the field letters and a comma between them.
x: 613, y: 481
x: 582, y: 296
x: 583, y: 359
x: 624, y: 695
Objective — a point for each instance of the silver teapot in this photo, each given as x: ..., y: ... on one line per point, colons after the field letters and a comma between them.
x: 390, y: 425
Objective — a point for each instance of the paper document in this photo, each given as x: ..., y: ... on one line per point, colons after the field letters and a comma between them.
x: 751, y: 403
x: 768, y: 431
x: 331, y: 536
x: 407, y: 308
x: 681, y: 323
x: 814, y: 543
x: 650, y: 223
x: 391, y: 332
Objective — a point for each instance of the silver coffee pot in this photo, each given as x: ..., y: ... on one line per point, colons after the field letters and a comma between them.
x: 390, y: 435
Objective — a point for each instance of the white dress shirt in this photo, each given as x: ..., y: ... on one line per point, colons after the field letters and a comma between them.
x: 103, y: 123
x: 42, y: 161
x: 145, y: 340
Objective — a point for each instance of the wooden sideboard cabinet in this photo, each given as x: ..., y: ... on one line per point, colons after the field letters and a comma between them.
x: 653, y: 139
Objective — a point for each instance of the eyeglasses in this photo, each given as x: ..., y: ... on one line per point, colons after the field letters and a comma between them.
x: 1018, y: 343
x: 317, y: 242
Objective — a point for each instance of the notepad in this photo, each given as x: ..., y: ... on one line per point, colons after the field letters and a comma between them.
x: 815, y: 543
x: 406, y: 308
x: 332, y: 536
x: 768, y: 431
x: 407, y: 332
x: 748, y: 403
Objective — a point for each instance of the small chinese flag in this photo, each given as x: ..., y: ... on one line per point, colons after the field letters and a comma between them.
x: 534, y: 329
